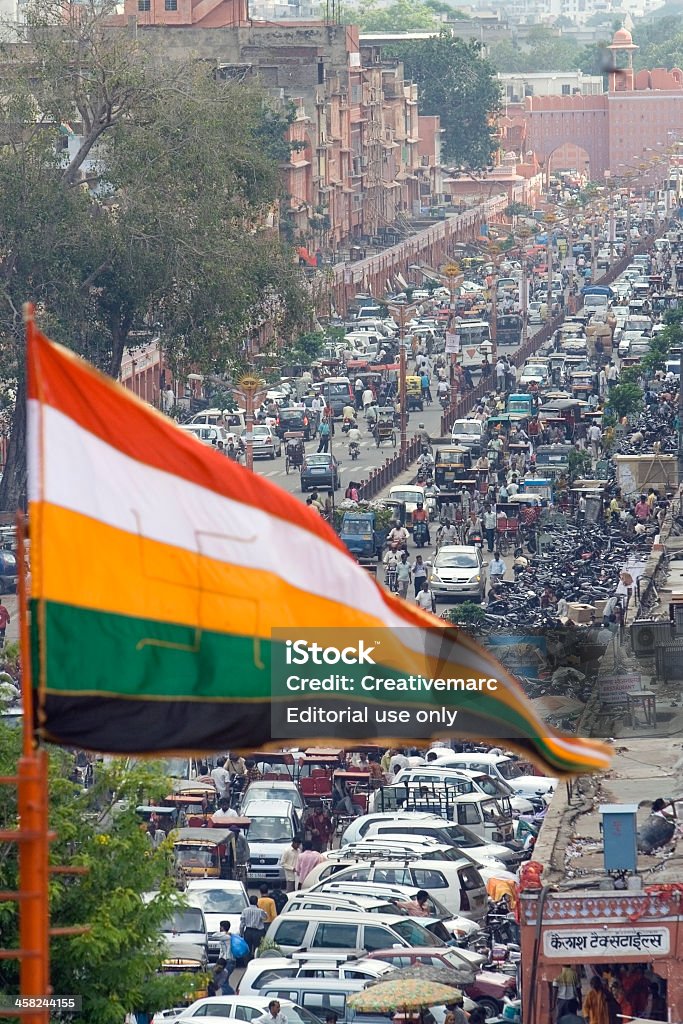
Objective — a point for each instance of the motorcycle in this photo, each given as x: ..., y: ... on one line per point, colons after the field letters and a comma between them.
x: 354, y: 450
x: 420, y: 533
x: 425, y: 474
x: 445, y: 399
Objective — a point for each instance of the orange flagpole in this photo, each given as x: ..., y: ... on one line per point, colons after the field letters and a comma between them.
x: 34, y: 926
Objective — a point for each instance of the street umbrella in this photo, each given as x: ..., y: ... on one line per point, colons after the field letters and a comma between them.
x: 462, y: 974
x: 411, y: 994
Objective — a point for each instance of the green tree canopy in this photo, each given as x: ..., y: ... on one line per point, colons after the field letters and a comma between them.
x: 457, y: 83
x: 168, y: 230
x: 113, y: 965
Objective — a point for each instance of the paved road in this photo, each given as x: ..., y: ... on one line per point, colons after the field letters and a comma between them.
x: 371, y: 456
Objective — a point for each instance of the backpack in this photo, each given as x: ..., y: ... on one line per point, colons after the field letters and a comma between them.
x: 238, y: 946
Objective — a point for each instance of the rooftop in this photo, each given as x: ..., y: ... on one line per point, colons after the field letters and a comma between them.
x: 570, y: 843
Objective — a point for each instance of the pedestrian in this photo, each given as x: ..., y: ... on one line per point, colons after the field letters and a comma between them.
x: 4, y: 622
x: 225, y: 812
x: 489, y: 523
x: 419, y: 574
x: 403, y: 575
x: 595, y: 1009
x: 626, y: 580
x: 566, y: 987
x: 497, y: 568
x: 252, y: 925
x: 358, y: 390
x: 425, y: 598
x: 642, y: 509
x: 581, y: 508
x: 219, y: 982
x: 308, y: 859
x: 273, y: 1016
x: 324, y: 434
x: 595, y: 438
x: 288, y: 863
x: 221, y: 780
x: 266, y: 903
x: 500, y: 374
x: 225, y: 947
x: 319, y: 823
x: 368, y: 399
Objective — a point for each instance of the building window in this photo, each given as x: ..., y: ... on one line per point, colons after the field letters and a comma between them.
x: 566, y: 90
x: 170, y: 5
x: 144, y: 5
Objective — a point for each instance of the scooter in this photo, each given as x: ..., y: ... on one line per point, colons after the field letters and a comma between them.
x: 354, y: 450
x: 420, y: 533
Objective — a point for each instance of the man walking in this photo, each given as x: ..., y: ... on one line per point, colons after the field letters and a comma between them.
x: 252, y: 925
x: 288, y: 863
x: 489, y: 524
x: 324, y: 443
x: 496, y: 569
x: 594, y: 438
x: 403, y: 575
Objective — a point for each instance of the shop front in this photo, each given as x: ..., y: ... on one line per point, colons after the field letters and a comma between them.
x: 631, y: 936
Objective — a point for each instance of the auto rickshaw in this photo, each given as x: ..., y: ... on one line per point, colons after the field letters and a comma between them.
x: 414, y: 398
x: 188, y: 958
x: 204, y: 852
x: 450, y: 465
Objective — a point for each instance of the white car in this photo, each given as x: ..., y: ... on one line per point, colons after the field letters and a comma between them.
x: 241, y: 1008
x: 315, y: 964
x: 534, y: 313
x: 266, y: 442
x: 278, y: 789
x: 221, y: 900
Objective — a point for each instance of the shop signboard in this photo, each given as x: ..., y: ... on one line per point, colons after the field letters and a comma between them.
x: 609, y: 943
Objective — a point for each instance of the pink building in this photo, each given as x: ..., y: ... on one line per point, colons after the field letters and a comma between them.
x: 638, y: 112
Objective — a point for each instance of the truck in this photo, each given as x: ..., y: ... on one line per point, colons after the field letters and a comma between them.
x: 360, y: 534
x: 520, y: 405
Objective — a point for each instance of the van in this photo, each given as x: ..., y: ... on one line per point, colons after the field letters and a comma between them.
x: 331, y: 903
x: 309, y: 929
x: 206, y: 433
x: 183, y: 926
x: 337, y: 392
x: 457, y: 884
x: 442, y: 829
x: 230, y: 419
x: 274, y: 823
x: 320, y: 996
x: 506, y: 768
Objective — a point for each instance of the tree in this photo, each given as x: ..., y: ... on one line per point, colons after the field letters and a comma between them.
x: 112, y: 966
x: 457, y: 83
x: 400, y: 16
x: 150, y: 242
x: 544, y: 49
x: 625, y: 400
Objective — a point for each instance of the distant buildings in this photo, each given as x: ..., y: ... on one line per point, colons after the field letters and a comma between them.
x: 365, y: 162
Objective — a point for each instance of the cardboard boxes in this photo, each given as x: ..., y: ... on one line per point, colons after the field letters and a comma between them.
x: 581, y: 613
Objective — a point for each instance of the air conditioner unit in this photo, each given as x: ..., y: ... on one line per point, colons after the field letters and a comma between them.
x: 647, y: 636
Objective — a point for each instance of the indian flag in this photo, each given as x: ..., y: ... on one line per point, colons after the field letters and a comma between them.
x: 166, y: 581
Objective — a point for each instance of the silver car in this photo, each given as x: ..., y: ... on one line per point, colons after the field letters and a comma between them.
x: 458, y: 571
x: 266, y: 442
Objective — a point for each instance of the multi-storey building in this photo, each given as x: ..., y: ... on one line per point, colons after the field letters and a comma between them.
x: 356, y: 171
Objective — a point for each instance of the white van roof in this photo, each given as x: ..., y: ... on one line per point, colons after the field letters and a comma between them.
x: 270, y: 808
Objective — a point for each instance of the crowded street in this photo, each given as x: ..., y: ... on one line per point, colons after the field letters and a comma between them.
x: 478, y: 484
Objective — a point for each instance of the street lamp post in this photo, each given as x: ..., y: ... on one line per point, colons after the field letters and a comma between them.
x: 550, y: 219
x: 399, y: 312
x: 523, y: 233
x: 454, y: 276
x: 248, y: 387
